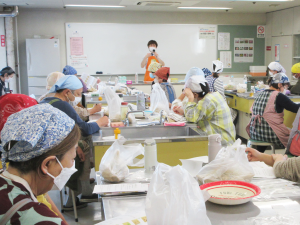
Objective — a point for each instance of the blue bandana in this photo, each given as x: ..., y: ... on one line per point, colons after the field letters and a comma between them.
x: 206, y: 72
x: 69, y: 81
x: 280, y: 78
x: 192, y: 72
x: 37, y: 129
x: 69, y: 70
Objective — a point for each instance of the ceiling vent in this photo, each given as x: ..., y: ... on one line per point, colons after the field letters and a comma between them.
x: 156, y: 3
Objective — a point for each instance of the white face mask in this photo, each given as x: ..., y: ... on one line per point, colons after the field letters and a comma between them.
x: 61, y: 180
x: 76, y: 101
x: 270, y: 73
x: 151, y: 49
x: 8, y: 80
x: 295, y: 77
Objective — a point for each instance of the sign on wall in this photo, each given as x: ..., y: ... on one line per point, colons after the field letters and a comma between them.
x: 261, y: 31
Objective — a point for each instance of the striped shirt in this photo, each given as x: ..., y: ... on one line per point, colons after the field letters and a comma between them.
x: 215, y: 85
x: 213, y: 116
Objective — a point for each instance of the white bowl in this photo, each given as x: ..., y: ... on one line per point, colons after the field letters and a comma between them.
x: 231, y: 192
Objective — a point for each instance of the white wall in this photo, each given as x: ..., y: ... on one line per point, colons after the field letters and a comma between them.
x: 3, y: 62
x: 51, y: 23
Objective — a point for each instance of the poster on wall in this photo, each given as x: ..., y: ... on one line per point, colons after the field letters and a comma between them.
x: 76, y: 45
x: 223, y: 41
x: 79, y: 61
x: 207, y: 32
x: 277, y: 52
x: 225, y: 58
x: 243, y: 50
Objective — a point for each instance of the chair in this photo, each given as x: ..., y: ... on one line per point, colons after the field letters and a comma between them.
x: 73, y: 200
x: 260, y: 143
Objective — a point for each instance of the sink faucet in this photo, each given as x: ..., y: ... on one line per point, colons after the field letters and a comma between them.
x: 126, y: 122
x: 161, y: 119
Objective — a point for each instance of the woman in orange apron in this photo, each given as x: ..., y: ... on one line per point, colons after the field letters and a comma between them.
x: 149, y: 58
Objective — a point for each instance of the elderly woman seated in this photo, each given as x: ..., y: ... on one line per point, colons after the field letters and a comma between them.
x: 39, y: 143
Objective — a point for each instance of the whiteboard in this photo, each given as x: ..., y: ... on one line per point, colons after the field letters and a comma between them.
x: 120, y: 48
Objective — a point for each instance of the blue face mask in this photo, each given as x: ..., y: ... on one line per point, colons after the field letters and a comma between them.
x: 151, y: 75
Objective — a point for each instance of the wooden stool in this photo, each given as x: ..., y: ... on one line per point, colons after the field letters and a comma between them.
x: 260, y: 143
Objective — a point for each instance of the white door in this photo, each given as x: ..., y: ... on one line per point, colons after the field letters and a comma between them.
x: 43, y: 56
x: 285, y: 52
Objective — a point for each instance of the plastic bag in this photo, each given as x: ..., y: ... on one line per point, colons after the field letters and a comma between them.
x: 230, y: 86
x: 174, y: 197
x: 241, y: 88
x: 158, y: 99
x: 114, y: 164
x: 114, y: 105
x: 101, y: 87
x: 231, y: 163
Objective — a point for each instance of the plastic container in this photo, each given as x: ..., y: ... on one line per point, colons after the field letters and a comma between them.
x: 245, y: 79
x: 124, y: 110
x: 214, y: 146
x: 150, y: 155
x: 136, y: 78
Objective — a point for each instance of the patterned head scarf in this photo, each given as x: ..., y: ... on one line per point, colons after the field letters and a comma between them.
x: 192, y: 72
x: 69, y: 70
x: 36, y: 129
x: 280, y: 78
x: 53, y: 78
x: 12, y: 103
x: 154, y: 66
x: 277, y: 67
x: 69, y: 82
x: 206, y: 72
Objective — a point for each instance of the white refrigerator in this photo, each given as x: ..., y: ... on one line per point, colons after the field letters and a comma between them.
x: 43, y: 57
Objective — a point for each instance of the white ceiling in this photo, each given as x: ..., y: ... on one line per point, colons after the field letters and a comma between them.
x: 241, y: 6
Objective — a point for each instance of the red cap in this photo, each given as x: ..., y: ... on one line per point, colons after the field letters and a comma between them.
x: 124, y: 103
x: 163, y: 73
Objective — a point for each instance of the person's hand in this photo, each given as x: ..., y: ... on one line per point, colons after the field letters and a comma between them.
x: 253, y: 154
x: 80, y: 154
x: 148, y: 55
x: 103, y: 121
x: 97, y: 107
x: 188, y: 92
x: 98, y: 80
x: 156, y: 55
x: 279, y: 157
x: 178, y: 110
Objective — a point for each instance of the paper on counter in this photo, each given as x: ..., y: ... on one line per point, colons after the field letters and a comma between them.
x: 124, y: 187
x: 262, y: 170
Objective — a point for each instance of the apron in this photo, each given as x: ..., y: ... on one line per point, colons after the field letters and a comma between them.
x: 293, y: 146
x: 274, y: 119
x: 170, y: 92
x: 147, y: 74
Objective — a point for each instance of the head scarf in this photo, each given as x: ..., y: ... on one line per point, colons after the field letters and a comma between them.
x: 52, y: 78
x: 36, y: 129
x: 69, y: 70
x: 163, y: 73
x: 277, y: 67
x: 194, y: 83
x: 192, y: 72
x: 217, y: 66
x: 296, y: 68
x: 280, y: 78
x: 206, y: 72
x: 68, y: 81
x: 12, y: 103
x: 154, y: 66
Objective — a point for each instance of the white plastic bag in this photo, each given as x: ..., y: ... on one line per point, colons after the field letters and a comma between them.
x: 158, y: 100
x: 174, y: 198
x: 231, y: 163
x: 101, y: 87
x: 241, y: 88
x: 230, y: 86
x: 114, y: 164
x: 114, y: 104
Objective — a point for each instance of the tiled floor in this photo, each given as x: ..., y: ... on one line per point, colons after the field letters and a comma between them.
x: 92, y: 213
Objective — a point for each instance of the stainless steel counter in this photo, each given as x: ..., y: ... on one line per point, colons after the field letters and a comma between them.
x: 252, y: 212
x: 246, y: 95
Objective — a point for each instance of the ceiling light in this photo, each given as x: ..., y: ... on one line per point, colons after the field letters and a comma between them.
x: 97, y: 6
x: 203, y: 8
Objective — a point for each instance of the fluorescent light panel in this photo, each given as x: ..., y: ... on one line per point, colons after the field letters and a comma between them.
x: 203, y: 8
x: 97, y: 6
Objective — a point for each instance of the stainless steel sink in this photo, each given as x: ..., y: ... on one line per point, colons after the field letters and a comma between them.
x: 159, y: 133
